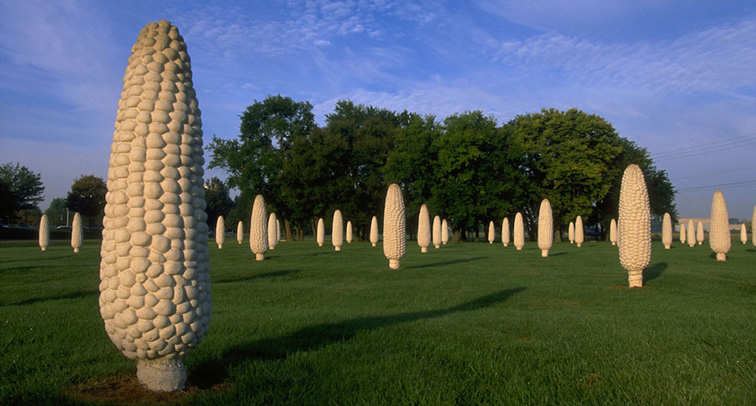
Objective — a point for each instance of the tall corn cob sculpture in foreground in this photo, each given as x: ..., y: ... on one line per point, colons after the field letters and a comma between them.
x: 320, y: 237
x: 220, y: 232
x: 667, y: 237
x: 240, y: 232
x: 491, y: 232
x: 691, y: 237
x: 444, y: 231
x: 579, y: 232
x: 374, y: 231
x: 77, y: 232
x: 546, y: 228
x: 700, y: 233
x: 258, y: 229
x: 337, y: 231
x: 437, y: 232
x: 394, y: 226
x: 44, y: 232
x: 349, y: 232
x: 423, y: 229
x: 505, y: 232
x: 634, y: 225
x: 743, y: 233
x: 155, y: 279
x: 272, y: 231
x: 613, y: 232
x: 519, y: 232
x: 719, y: 227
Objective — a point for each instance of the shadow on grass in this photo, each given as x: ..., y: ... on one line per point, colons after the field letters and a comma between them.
x: 214, y: 372
x: 40, y: 259
x: 73, y: 295
x: 654, y: 271
x: 275, y: 274
x: 435, y: 264
x: 557, y: 254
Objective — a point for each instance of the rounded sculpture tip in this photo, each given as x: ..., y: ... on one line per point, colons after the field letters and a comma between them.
x: 635, y: 278
x: 437, y: 246
x: 544, y: 253
x: 260, y: 257
x: 721, y: 256
x: 76, y: 250
x: 373, y: 244
x: 44, y: 249
x: 162, y: 375
x: 519, y: 248
x: 220, y: 246
x: 423, y: 250
x: 337, y: 248
x: 320, y: 244
x: 394, y: 263
x: 666, y: 247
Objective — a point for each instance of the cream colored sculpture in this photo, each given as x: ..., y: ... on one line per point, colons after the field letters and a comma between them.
x: 423, y: 229
x: 44, y: 233
x: 505, y: 232
x: 579, y: 232
x: 220, y: 232
x: 240, y: 232
x: 613, y: 232
x: 444, y: 232
x: 394, y: 226
x: 258, y: 229
x: 272, y: 231
x: 700, y: 233
x: 753, y: 226
x: 320, y: 237
x: 691, y: 234
x: 77, y: 233
x: 437, y: 232
x: 719, y: 227
x: 683, y: 233
x: 519, y: 232
x: 337, y: 232
x: 154, y: 272
x: 278, y: 231
x: 667, y: 237
x: 571, y: 232
x: 546, y: 228
x: 743, y: 233
x: 374, y: 231
x: 634, y: 225
x: 491, y: 232
x: 349, y: 232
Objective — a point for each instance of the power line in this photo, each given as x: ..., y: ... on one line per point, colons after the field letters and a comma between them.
x: 718, y: 186
x: 714, y: 173
x: 706, y: 148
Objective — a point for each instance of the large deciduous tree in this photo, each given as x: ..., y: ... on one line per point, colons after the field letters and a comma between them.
x: 56, y: 213
x: 20, y: 189
x: 219, y: 202
x: 87, y: 197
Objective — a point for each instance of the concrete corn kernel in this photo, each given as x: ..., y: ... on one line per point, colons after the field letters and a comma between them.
x: 220, y: 232
x: 77, y: 232
x: 423, y: 229
x: 374, y: 231
x: 320, y: 237
x: 44, y: 232
x: 634, y: 225
x: 394, y: 226
x: 437, y: 232
x: 613, y: 232
x: 719, y: 227
x: 519, y: 232
x: 545, y: 228
x: 258, y: 229
x: 667, y: 231
x: 505, y: 232
x: 272, y: 231
x: 691, y: 234
x: 579, y: 231
x: 491, y: 232
x: 154, y: 271
x: 337, y: 232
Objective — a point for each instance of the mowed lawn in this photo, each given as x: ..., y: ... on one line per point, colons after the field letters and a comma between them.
x: 469, y: 323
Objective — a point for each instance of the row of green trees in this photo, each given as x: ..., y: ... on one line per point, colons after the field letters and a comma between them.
x: 467, y: 168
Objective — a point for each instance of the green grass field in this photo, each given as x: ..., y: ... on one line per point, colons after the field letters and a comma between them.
x: 469, y: 323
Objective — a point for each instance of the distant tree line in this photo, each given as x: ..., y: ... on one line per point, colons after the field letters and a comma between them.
x: 466, y: 167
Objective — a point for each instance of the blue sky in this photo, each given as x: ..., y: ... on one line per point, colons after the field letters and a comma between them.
x: 676, y: 77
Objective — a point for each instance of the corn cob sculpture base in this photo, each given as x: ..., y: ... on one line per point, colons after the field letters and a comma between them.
x: 394, y: 263
x: 162, y: 375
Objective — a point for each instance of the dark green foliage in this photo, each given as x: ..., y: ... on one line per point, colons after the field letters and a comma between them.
x: 20, y: 189
x: 219, y: 203
x: 56, y: 213
x: 87, y: 197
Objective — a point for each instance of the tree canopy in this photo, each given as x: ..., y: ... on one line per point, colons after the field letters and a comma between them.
x: 20, y: 189
x: 87, y: 197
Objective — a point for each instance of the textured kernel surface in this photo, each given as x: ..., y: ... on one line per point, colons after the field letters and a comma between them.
x: 634, y: 222
x: 667, y: 231
x: 423, y: 228
x: 579, y: 231
x: 519, y: 232
x: 719, y: 228
x: 258, y: 228
x: 272, y: 231
x: 374, y: 231
x: 394, y: 226
x: 437, y: 231
x: 337, y: 233
x: 545, y: 226
x: 505, y: 232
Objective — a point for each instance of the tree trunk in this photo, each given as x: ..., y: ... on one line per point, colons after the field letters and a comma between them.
x: 456, y: 236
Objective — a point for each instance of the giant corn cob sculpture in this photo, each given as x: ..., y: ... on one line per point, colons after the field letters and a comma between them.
x: 155, y: 279
x: 505, y: 232
x: 444, y: 231
x: 374, y: 231
x: 700, y: 233
x: 437, y: 232
x: 571, y: 232
x: 272, y: 231
x: 258, y: 229
x: 337, y: 231
x: 545, y: 228
x: 683, y: 233
x: 44, y: 232
x: 240, y: 232
x: 613, y: 232
x: 394, y: 226
x: 423, y: 229
x: 519, y: 232
x: 77, y: 232
x: 691, y: 237
x: 579, y: 232
x: 349, y: 232
x: 491, y: 232
x: 719, y: 227
x: 634, y: 225
x: 753, y: 226
x: 667, y: 231
x: 743, y: 233
x: 320, y: 236
x: 220, y: 232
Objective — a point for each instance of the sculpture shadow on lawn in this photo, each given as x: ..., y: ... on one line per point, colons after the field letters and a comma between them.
x: 214, y: 372
x: 654, y: 271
